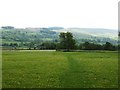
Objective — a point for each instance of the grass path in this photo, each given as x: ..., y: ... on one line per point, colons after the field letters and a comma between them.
x: 73, y: 76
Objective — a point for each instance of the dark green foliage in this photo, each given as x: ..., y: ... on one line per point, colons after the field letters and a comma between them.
x: 66, y: 41
x: 42, y: 46
x: 62, y: 46
x: 119, y: 47
x: 47, y: 45
x: 62, y: 40
x: 109, y: 46
x: 93, y: 46
x: 90, y: 46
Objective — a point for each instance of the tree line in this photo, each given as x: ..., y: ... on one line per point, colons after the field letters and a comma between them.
x: 66, y: 42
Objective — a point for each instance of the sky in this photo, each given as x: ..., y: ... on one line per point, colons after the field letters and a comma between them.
x: 65, y: 13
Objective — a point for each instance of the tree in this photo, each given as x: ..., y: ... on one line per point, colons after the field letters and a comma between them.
x: 109, y: 46
x: 66, y: 41
x: 31, y: 45
x: 62, y: 37
x: 48, y: 45
x: 86, y: 46
x: 90, y: 46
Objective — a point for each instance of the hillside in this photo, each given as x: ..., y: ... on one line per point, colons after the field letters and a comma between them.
x: 96, y: 35
x: 107, y: 33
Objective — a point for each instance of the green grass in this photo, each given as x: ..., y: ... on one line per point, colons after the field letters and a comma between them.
x: 43, y: 69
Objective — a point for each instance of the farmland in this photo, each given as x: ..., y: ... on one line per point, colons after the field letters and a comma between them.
x: 45, y: 69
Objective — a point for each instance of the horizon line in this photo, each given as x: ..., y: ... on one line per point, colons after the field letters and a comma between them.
x: 56, y: 26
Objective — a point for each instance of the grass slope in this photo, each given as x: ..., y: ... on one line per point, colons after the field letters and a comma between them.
x: 38, y: 69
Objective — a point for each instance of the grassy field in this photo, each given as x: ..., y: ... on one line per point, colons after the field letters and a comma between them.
x: 45, y: 69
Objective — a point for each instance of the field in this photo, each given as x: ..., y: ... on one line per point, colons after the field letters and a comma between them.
x: 45, y: 69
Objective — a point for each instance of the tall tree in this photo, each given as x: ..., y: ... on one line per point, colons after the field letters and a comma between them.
x: 62, y: 37
x: 66, y: 41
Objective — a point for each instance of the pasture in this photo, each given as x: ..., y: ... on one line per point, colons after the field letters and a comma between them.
x: 45, y: 69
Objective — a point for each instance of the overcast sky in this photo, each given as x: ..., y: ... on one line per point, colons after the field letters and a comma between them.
x: 66, y: 13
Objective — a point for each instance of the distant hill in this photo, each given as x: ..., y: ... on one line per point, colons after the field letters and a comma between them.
x: 44, y: 28
x: 55, y: 28
x: 107, y: 33
x: 96, y: 35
